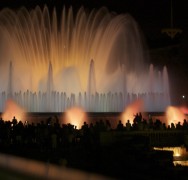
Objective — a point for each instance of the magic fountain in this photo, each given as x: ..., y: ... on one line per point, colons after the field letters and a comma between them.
x: 97, y: 61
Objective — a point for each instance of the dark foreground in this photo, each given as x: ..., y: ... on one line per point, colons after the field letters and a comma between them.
x: 125, y: 152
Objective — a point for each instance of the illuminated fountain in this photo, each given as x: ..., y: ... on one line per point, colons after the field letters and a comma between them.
x: 75, y: 116
x: 174, y: 115
x: 51, y: 66
x: 180, y: 154
x: 12, y: 110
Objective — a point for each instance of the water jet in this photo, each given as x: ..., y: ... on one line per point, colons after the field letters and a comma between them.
x: 97, y: 61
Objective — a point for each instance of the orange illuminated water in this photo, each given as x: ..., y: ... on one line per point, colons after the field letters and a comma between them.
x: 131, y: 110
x: 75, y: 116
x: 93, y: 59
x: 175, y: 115
x: 13, y: 110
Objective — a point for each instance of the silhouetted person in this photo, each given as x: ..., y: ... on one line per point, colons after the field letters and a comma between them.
x: 185, y: 125
x: 120, y: 126
x: 128, y: 125
x: 157, y: 124
x: 164, y: 126
x: 140, y: 126
x: 108, y: 125
x: 140, y: 116
x: 178, y: 126
x: 172, y: 126
x: 137, y: 118
x: 102, y: 125
x: 14, y: 121
x: 145, y: 125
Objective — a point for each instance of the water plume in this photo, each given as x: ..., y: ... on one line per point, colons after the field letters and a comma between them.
x: 75, y: 116
x: 13, y: 110
x: 174, y: 115
x: 131, y: 110
x: 97, y: 60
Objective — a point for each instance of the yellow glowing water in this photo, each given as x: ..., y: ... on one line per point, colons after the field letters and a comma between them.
x: 180, y: 154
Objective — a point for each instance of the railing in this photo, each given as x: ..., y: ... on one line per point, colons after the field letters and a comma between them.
x: 31, y: 168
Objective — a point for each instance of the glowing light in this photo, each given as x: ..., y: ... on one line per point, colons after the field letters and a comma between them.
x: 131, y: 111
x: 182, y: 163
x: 75, y: 116
x: 184, y: 109
x: 180, y: 154
x: 11, y: 110
x: 177, y: 151
x: 183, y: 96
x: 174, y: 115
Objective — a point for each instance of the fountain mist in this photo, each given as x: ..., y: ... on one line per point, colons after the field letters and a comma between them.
x: 52, y: 70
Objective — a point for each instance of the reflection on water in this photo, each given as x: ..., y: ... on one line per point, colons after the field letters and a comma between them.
x: 182, y: 163
x: 180, y: 154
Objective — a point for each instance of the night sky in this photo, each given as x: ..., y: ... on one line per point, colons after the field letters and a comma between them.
x: 152, y: 16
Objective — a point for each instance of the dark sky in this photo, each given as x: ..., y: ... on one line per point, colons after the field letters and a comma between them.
x: 152, y: 16
x: 147, y: 11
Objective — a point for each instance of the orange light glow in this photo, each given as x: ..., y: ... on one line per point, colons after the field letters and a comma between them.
x: 184, y: 109
x: 131, y: 111
x: 75, y: 116
x: 174, y: 115
x: 177, y: 151
x: 11, y: 110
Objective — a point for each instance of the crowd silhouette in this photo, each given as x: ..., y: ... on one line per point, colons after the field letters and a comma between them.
x: 50, y: 134
x: 64, y: 144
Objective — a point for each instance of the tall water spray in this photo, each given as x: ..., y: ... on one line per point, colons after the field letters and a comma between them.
x: 53, y: 70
